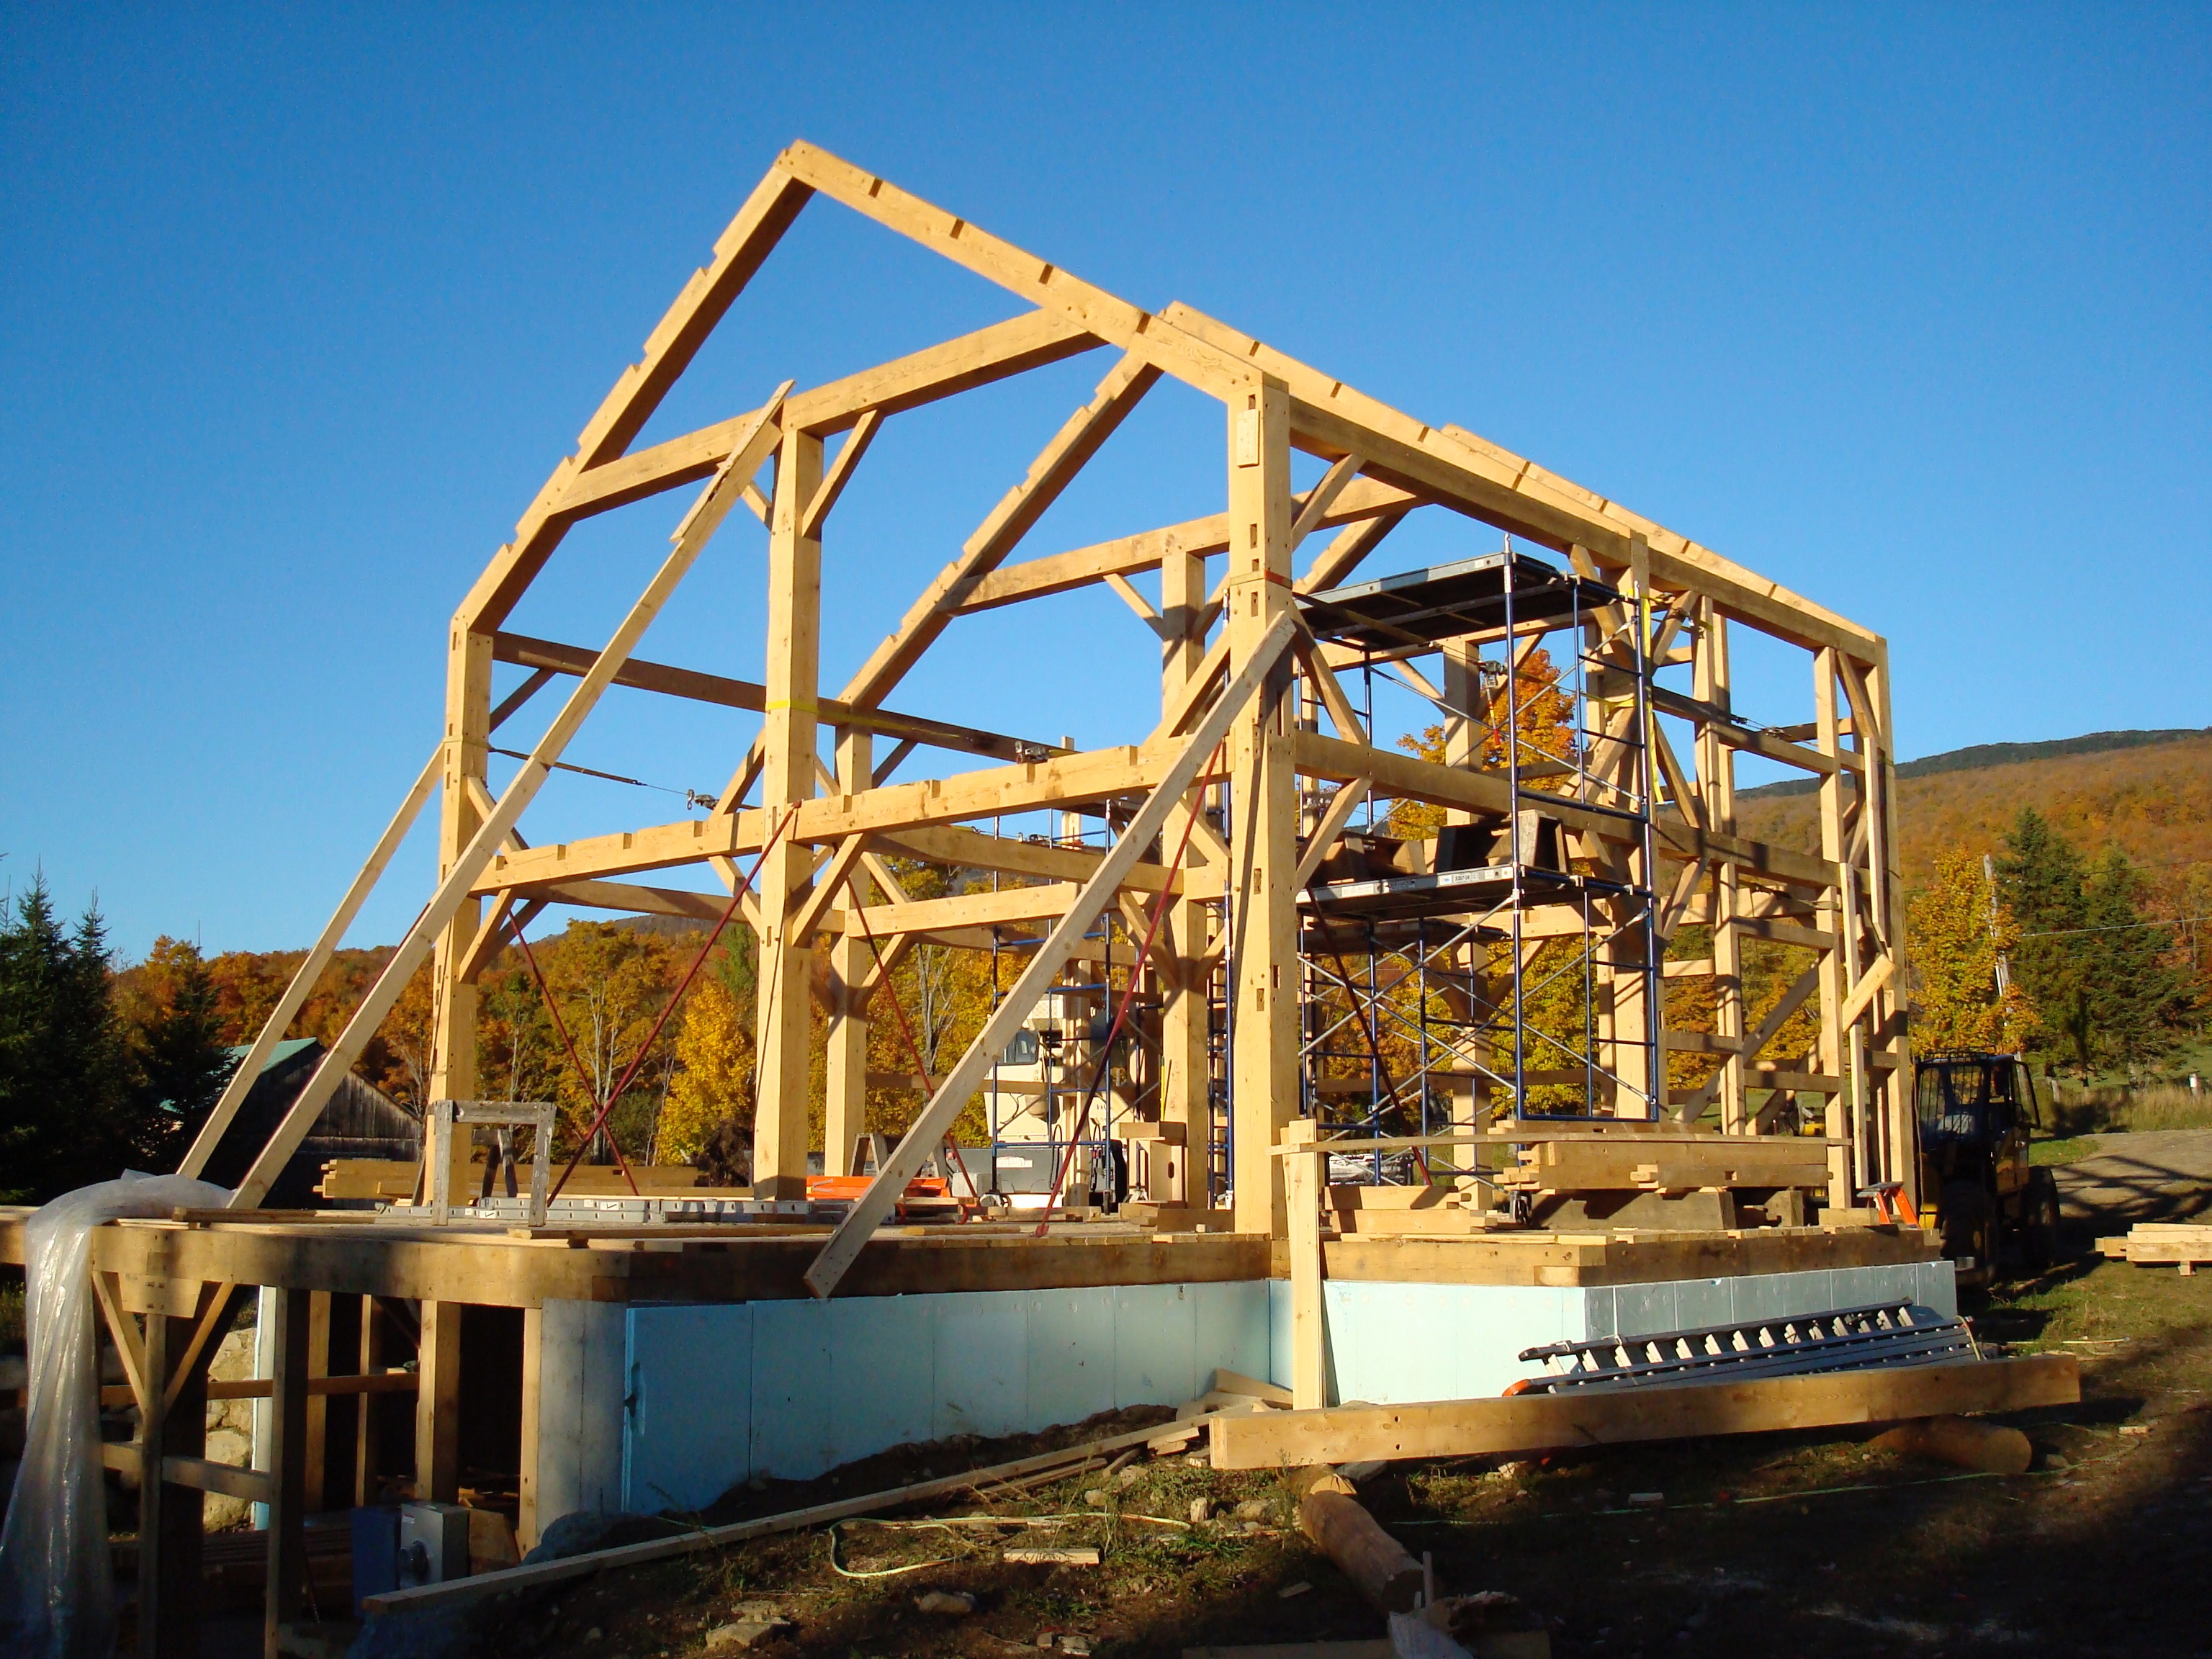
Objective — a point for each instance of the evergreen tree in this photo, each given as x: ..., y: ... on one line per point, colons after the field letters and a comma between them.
x: 2137, y: 998
x: 2041, y: 880
x: 62, y: 1068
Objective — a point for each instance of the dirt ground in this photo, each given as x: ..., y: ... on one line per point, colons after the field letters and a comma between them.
x: 1809, y: 1543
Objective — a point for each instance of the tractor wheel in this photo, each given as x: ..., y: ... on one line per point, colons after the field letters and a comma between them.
x: 2040, y: 1221
x: 1969, y: 1228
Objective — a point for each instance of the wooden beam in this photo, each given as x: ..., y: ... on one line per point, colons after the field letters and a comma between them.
x: 456, y: 886
x: 1362, y: 503
x: 921, y: 1139
x: 1341, y: 807
x: 1545, y: 1422
x: 1301, y: 1189
x: 751, y: 237
x: 1054, y: 468
x: 840, y: 474
x: 752, y: 696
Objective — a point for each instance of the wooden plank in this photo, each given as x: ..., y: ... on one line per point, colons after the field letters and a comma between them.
x: 1032, y: 340
x: 1542, y: 1422
x: 928, y: 1130
x: 310, y: 970
x: 485, y: 1586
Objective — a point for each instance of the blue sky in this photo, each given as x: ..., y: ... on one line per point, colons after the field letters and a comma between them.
x: 1905, y: 307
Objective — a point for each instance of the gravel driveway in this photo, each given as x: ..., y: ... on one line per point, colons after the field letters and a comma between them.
x: 2160, y: 1174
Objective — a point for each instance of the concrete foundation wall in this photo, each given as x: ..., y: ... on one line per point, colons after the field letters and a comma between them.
x: 652, y: 1407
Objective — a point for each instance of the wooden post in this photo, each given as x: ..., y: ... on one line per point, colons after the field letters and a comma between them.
x: 319, y: 1406
x: 1717, y: 770
x: 1842, y: 1184
x: 533, y: 1355
x: 437, y: 1403
x: 375, y: 1330
x: 1263, y: 810
x: 1303, y: 1184
x: 845, y: 1065
x: 1186, y: 1061
x: 453, y: 1000
x: 785, y: 1013
x: 183, y: 1508
x: 154, y: 1609
x: 288, y: 1464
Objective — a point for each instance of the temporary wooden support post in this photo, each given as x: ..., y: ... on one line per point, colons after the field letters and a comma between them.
x: 1303, y: 1185
x: 437, y: 1403
x: 287, y: 1410
x: 456, y: 878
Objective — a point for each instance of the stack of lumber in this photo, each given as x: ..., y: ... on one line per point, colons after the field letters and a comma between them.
x: 1665, y: 1161
x: 2184, y: 1243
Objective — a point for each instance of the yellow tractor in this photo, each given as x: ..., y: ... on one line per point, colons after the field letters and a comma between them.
x: 1994, y: 1211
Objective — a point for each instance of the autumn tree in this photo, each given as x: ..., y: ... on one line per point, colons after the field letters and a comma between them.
x: 1955, y: 934
x: 610, y: 982
x: 173, y: 1033
x: 1543, y: 714
x: 714, y: 1081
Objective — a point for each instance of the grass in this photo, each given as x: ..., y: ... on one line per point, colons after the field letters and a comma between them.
x: 2140, y: 1109
x: 2050, y: 1154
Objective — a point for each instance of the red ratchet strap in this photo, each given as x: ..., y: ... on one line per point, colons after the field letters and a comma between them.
x: 736, y: 894
x: 914, y: 1052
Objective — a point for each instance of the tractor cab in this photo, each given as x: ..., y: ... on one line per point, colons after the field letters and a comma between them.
x: 1976, y: 1114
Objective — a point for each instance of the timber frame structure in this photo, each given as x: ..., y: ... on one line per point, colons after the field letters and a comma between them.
x: 1230, y: 814
x: 1270, y: 800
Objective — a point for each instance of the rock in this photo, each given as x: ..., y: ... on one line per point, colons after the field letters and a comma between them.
x: 1519, y: 1469
x: 743, y: 1633
x: 1097, y: 1497
x: 1646, y: 1500
x: 951, y: 1604
x: 1252, y: 1509
x: 578, y: 1533
x: 444, y: 1634
x: 592, y: 1634
x: 1366, y: 1470
x: 1130, y: 1476
x: 1201, y: 1508
x: 2056, y: 1461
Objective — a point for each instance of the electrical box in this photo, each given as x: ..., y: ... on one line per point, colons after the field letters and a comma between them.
x: 433, y: 1543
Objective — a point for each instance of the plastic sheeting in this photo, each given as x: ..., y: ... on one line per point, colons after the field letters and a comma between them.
x: 57, y: 1589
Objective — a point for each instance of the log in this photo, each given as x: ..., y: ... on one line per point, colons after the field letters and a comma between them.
x: 1374, y: 1562
x: 1988, y: 1447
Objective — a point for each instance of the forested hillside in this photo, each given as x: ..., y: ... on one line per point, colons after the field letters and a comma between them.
x: 2153, y: 802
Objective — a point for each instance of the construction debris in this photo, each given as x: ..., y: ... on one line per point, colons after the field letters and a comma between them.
x: 1377, y: 1564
